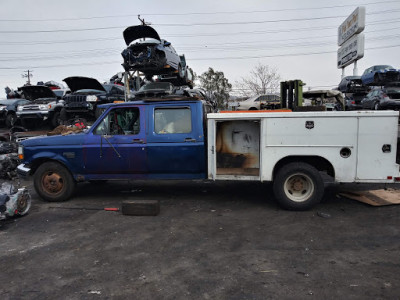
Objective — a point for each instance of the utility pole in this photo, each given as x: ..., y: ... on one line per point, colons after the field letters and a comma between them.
x: 28, y: 74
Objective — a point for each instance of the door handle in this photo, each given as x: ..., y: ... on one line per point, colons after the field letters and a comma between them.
x: 190, y: 140
x: 138, y: 141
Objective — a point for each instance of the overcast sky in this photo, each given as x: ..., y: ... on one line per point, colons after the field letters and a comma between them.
x: 56, y: 39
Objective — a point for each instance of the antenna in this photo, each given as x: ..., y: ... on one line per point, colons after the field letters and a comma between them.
x: 143, y: 21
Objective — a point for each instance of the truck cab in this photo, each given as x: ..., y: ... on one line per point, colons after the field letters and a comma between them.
x: 130, y: 140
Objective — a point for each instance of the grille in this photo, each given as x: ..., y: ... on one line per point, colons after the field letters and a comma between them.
x: 30, y: 107
x: 76, y: 101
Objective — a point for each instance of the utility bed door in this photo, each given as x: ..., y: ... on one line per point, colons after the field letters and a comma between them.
x: 377, y: 148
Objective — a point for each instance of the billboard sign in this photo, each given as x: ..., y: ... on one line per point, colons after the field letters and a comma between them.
x: 351, y: 50
x: 354, y: 24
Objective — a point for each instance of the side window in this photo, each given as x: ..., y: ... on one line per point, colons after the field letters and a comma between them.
x: 120, y: 121
x: 172, y: 120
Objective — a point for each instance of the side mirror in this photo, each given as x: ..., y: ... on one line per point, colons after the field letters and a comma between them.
x: 167, y: 43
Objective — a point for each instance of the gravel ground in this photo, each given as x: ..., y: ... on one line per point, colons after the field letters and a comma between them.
x: 224, y: 240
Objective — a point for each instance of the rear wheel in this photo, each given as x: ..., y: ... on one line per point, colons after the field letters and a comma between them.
x: 53, y: 182
x: 298, y: 186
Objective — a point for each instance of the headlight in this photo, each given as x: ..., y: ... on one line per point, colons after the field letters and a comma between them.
x: 21, y: 152
x: 44, y: 107
x: 20, y: 108
x: 91, y: 98
x: 2, y: 108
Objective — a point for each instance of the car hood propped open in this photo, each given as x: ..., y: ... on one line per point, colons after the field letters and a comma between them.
x: 138, y: 32
x: 76, y: 83
x: 33, y: 92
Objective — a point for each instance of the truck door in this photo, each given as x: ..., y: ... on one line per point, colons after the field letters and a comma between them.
x: 117, y: 145
x: 175, y: 143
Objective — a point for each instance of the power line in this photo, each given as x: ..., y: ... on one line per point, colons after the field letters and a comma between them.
x: 195, y: 13
x: 198, y: 59
x: 192, y: 48
x: 193, y: 24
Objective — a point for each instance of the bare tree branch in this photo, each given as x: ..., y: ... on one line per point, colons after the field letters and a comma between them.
x: 262, y: 80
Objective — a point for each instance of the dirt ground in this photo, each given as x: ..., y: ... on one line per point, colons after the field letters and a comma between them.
x: 224, y: 240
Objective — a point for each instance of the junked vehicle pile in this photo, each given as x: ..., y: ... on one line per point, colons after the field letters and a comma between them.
x: 151, y: 55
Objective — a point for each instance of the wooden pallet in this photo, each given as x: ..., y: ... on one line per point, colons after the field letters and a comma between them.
x: 375, y: 197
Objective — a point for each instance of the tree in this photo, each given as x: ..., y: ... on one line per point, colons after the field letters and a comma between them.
x: 216, y: 86
x: 262, y: 80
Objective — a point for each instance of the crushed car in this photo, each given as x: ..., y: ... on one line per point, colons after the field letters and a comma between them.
x: 380, y: 75
x: 148, y: 53
x: 86, y: 94
x: 13, y: 202
x: 45, y: 105
x: 383, y: 98
x: 352, y: 84
x: 154, y: 89
x: 333, y: 100
x: 8, y: 110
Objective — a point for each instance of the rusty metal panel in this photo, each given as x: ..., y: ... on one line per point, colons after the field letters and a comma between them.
x: 238, y: 147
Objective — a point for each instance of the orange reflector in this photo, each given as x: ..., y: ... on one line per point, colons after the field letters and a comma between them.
x: 167, y: 66
x: 21, y: 156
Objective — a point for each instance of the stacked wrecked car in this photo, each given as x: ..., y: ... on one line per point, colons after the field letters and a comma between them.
x: 147, y: 53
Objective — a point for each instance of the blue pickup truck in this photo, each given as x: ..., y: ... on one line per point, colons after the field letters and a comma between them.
x: 182, y: 138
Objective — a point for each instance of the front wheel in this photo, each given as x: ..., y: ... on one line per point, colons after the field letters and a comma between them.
x: 56, y: 119
x: 298, y: 186
x: 53, y: 182
x: 11, y: 119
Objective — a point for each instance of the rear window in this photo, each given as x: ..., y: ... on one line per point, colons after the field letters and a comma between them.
x: 172, y: 120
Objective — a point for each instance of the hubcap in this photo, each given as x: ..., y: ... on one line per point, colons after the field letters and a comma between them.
x: 52, y: 183
x: 299, y: 187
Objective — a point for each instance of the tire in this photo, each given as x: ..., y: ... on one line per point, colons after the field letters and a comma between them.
x: 56, y: 119
x: 53, y: 182
x: 377, y: 106
x: 298, y: 186
x: 11, y: 119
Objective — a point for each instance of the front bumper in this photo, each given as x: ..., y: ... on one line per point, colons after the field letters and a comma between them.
x: 37, y: 114
x: 23, y: 170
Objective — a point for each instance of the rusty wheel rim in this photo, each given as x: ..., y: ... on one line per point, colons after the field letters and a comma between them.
x: 299, y: 187
x: 52, y: 183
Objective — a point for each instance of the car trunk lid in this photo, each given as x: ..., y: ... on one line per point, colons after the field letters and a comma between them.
x: 138, y: 32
